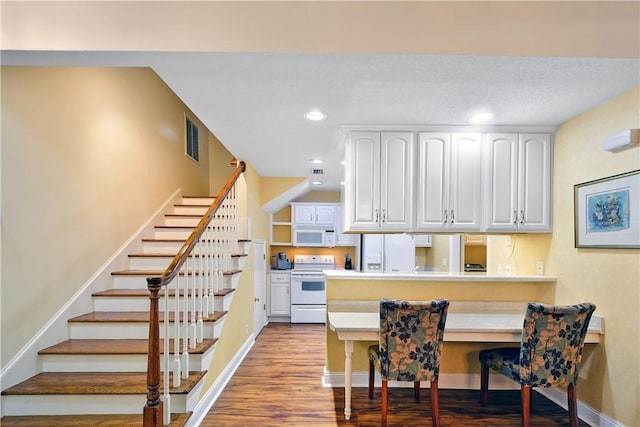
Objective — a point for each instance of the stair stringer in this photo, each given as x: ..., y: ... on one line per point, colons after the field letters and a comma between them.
x: 25, y: 363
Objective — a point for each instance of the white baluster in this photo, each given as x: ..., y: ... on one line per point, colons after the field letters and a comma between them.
x: 176, y: 332
x: 193, y: 317
x: 200, y: 325
x: 184, y: 321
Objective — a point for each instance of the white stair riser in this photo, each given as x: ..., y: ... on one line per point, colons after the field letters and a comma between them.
x: 173, y: 233
x: 190, y: 210
x: 164, y: 248
x: 182, y: 221
x: 114, y: 362
x: 140, y: 282
x: 142, y: 303
x: 197, y: 200
x: 84, y: 404
x: 161, y: 263
x: 116, y: 330
x: 223, y: 303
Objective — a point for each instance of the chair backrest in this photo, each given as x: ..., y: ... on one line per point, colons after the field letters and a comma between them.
x: 552, y: 341
x: 411, y: 339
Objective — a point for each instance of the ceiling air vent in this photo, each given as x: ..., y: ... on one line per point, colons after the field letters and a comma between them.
x: 317, y: 171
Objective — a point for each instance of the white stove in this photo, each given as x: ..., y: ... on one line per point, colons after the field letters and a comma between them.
x: 308, y: 288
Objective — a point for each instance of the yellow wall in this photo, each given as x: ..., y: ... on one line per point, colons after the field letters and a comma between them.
x: 88, y: 154
x: 610, y: 379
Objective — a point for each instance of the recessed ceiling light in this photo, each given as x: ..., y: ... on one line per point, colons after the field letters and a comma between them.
x: 315, y: 115
x: 481, y: 117
x: 316, y: 161
x: 316, y: 182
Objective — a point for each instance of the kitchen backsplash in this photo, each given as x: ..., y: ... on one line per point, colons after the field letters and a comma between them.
x: 337, y: 252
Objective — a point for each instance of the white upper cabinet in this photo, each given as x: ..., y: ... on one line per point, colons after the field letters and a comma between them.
x: 449, y: 182
x: 519, y: 182
x: 379, y: 181
x: 314, y: 214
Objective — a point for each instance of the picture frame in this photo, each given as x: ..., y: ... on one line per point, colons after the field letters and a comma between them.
x: 607, y: 212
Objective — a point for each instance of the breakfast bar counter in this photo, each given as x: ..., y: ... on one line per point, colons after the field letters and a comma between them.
x: 434, y: 276
x: 487, y: 310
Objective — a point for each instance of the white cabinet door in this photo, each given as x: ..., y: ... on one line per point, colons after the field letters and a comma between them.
x: 433, y: 181
x: 304, y: 214
x: 535, y: 183
x: 326, y: 215
x: 519, y: 193
x: 379, y: 181
x: 314, y: 214
x: 449, y: 182
x: 502, y: 181
x: 362, y: 181
x: 280, y: 301
x: 465, y: 182
x: 396, y: 180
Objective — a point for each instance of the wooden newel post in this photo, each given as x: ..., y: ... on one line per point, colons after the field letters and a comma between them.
x: 153, y: 411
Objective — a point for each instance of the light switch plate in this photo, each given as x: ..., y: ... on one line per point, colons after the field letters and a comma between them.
x: 539, y: 268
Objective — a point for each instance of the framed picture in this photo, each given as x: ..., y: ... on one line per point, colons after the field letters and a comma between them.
x: 607, y: 212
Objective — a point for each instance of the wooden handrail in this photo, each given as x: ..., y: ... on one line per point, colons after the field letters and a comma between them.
x: 153, y: 410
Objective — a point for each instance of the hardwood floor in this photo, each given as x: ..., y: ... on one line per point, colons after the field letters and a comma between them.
x: 279, y: 384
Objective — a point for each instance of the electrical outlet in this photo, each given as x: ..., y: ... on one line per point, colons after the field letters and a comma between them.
x: 444, y: 262
x: 539, y: 268
x: 507, y: 269
x: 508, y: 241
x: 499, y: 268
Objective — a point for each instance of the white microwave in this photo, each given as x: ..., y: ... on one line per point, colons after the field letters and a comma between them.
x: 314, y: 237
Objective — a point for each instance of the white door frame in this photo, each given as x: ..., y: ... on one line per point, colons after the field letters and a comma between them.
x: 259, y: 286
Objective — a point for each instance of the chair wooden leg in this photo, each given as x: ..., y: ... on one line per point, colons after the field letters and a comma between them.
x: 416, y: 391
x: 526, y: 405
x: 435, y: 405
x: 384, y: 403
x: 371, y: 378
x: 573, y: 405
x: 484, y: 384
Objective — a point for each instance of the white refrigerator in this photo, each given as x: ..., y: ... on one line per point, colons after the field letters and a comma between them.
x: 387, y: 253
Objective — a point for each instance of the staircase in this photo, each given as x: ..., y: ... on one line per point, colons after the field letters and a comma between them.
x: 98, y: 376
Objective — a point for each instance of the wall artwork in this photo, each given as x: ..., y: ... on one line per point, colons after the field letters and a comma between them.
x: 607, y: 212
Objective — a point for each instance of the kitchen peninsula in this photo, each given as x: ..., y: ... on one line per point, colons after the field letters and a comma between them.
x: 485, y: 309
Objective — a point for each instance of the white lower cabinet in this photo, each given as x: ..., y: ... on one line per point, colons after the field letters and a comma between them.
x: 280, y: 295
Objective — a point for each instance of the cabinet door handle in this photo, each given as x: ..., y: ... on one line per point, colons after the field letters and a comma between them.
x: 446, y: 217
x: 521, y: 217
x: 453, y: 216
x: 515, y: 217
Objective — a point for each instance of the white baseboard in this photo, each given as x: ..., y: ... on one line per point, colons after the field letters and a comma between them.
x: 472, y: 382
x: 212, y: 394
x: 25, y: 363
x: 585, y: 412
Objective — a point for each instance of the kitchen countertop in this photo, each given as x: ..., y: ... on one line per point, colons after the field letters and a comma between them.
x: 434, y: 276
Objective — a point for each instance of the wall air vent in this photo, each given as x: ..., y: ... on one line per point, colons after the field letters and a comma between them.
x: 317, y: 171
x: 192, y: 140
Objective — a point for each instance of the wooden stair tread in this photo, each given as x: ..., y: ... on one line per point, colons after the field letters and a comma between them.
x: 175, y: 240
x: 156, y: 273
x: 80, y: 383
x: 133, y: 316
x: 145, y: 293
x: 169, y: 256
x: 97, y: 420
x: 117, y: 346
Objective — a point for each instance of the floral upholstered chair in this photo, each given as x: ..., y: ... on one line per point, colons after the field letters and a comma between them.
x: 410, y: 347
x: 549, y: 355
